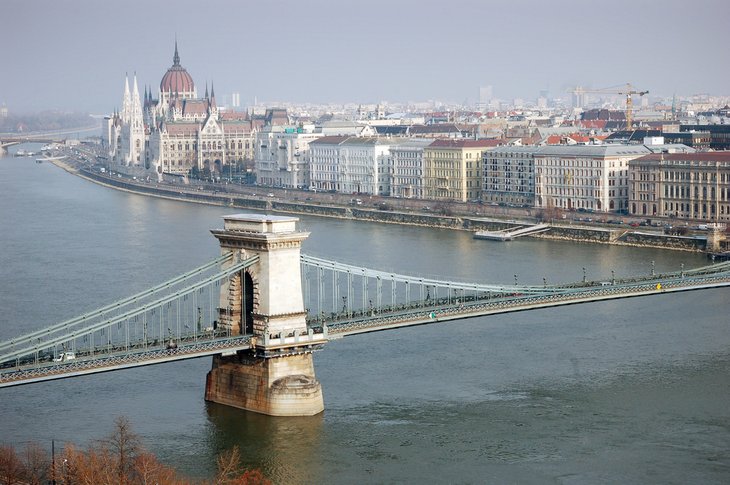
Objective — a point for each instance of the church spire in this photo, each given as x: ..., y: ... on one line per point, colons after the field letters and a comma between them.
x: 135, y: 114
x: 126, y: 100
x: 212, y: 94
x: 206, y: 90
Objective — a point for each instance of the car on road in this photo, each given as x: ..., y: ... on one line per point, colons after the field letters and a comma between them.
x: 65, y: 357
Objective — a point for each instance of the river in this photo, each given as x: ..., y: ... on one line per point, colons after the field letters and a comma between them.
x: 626, y: 391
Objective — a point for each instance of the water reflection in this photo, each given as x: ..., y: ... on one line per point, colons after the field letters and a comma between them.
x: 285, y: 448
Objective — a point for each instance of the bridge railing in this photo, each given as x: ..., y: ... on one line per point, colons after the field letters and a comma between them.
x: 182, y: 310
x: 345, y: 325
x: 512, y: 296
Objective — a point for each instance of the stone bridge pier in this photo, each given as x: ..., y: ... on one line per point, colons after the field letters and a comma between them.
x: 276, y: 376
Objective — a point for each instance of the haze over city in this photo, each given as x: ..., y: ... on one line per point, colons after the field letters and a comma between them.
x: 74, y: 55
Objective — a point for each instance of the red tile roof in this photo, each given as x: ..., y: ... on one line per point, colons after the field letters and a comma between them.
x: 182, y: 128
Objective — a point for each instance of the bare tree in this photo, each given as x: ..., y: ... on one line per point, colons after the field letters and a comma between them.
x: 118, y: 459
x: 229, y: 465
x: 36, y: 464
x: 11, y: 468
x: 149, y: 471
x: 124, y: 445
x: 229, y: 471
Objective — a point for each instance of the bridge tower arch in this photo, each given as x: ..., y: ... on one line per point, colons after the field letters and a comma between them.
x: 276, y: 376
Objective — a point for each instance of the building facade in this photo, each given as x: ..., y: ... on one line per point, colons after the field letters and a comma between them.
x: 692, y: 186
x: 177, y: 133
x: 350, y: 165
x: 452, y: 169
x: 282, y: 155
x: 584, y: 177
x: 407, y: 168
x: 509, y: 175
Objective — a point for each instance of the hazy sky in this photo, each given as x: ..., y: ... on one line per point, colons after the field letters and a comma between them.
x: 73, y: 54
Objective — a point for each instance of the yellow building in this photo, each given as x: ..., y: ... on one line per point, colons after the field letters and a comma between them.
x: 452, y: 169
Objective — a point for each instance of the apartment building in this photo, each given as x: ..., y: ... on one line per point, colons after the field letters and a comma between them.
x: 452, y: 169
x: 350, y: 164
x: 282, y: 155
x: 589, y: 177
x: 509, y: 175
x: 407, y: 168
x: 681, y: 185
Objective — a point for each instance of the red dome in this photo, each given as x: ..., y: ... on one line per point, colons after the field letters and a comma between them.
x: 177, y: 79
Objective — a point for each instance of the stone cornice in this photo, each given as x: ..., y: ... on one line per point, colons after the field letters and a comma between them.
x: 258, y: 241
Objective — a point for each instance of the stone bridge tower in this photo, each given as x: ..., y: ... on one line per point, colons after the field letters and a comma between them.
x: 276, y: 376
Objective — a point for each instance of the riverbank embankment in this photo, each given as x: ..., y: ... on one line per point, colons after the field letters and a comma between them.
x: 558, y: 230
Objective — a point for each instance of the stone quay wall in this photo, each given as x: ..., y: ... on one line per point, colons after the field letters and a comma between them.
x: 619, y: 236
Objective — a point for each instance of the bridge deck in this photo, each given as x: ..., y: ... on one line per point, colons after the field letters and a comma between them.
x: 26, y: 361
x: 121, y: 360
x: 425, y: 315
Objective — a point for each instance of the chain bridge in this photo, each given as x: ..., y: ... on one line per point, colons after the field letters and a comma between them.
x: 262, y: 308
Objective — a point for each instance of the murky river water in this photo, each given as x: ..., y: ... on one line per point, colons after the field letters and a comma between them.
x: 629, y: 391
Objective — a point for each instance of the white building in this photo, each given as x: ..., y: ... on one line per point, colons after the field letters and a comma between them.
x: 177, y: 133
x: 129, y: 148
x: 282, y: 155
x: 590, y: 177
x: 407, y: 168
x: 350, y: 165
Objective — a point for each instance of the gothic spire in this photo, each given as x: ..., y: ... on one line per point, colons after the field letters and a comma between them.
x: 126, y: 100
x: 176, y: 57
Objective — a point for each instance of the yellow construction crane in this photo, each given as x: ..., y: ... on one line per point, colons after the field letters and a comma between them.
x: 627, y: 91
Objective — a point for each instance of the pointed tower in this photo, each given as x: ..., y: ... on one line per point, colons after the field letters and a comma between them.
x: 136, y: 128
x: 126, y: 101
x: 136, y: 112
x: 176, y: 56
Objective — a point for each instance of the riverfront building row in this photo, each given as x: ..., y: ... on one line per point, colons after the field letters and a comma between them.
x: 181, y: 134
x: 653, y: 179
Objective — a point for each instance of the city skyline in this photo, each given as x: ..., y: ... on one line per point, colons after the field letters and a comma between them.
x: 74, y: 55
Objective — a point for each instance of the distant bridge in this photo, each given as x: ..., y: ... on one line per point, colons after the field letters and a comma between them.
x: 8, y: 141
x: 54, y: 136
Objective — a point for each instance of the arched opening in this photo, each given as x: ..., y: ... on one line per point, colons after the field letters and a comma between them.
x: 247, y: 296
